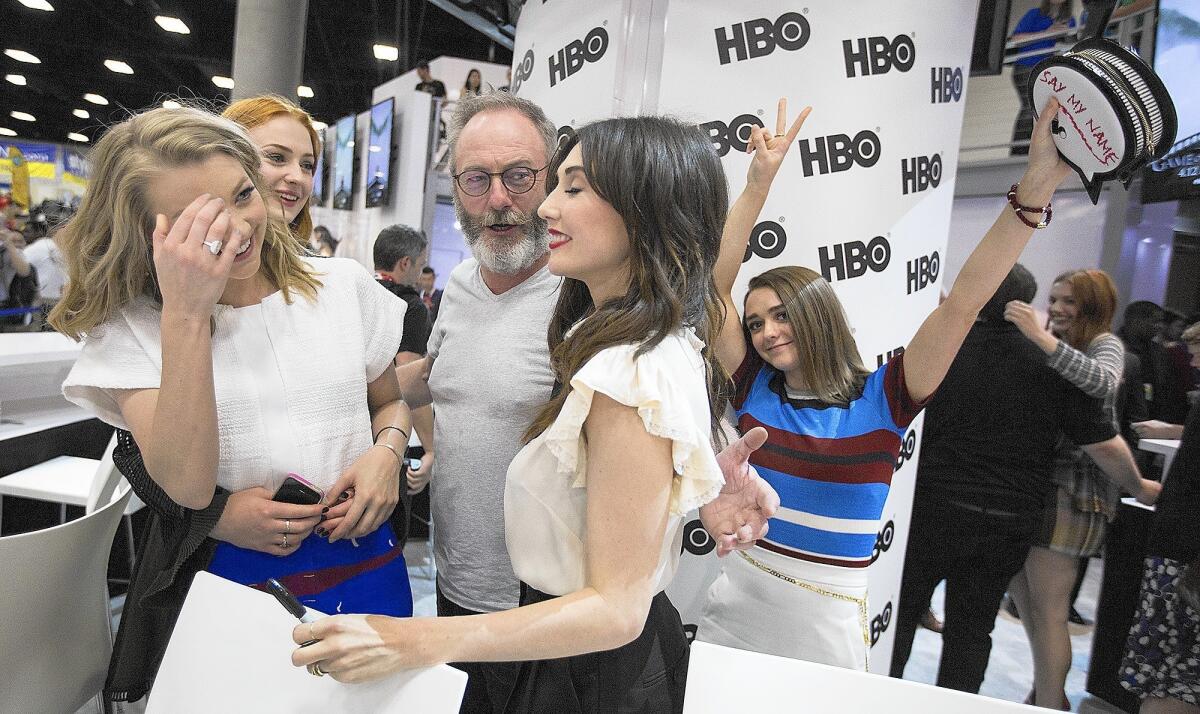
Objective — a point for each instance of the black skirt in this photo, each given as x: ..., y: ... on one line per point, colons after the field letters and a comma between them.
x: 647, y: 675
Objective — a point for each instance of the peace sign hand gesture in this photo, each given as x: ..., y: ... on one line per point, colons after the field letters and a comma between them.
x: 769, y: 148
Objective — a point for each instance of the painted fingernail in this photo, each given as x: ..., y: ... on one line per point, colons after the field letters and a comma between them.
x: 344, y: 496
x: 321, y: 532
x: 325, y: 510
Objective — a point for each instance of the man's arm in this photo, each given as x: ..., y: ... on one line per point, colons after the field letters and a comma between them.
x: 1116, y: 461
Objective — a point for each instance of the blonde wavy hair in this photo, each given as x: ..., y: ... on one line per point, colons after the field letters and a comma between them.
x: 107, y: 244
x: 255, y: 111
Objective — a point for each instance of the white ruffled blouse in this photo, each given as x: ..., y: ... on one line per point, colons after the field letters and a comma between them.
x: 290, y: 379
x: 545, y: 497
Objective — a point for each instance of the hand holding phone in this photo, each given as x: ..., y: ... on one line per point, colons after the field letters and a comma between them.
x: 296, y: 489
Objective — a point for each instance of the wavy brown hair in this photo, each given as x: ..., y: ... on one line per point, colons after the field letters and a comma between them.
x: 829, y: 361
x: 107, y: 243
x: 1095, y: 297
x: 255, y: 111
x: 664, y: 180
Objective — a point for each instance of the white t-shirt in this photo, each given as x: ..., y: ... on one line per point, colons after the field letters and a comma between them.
x: 44, y: 255
x: 545, y: 499
x: 290, y: 380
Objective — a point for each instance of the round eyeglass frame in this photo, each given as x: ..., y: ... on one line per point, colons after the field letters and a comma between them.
x: 490, y: 174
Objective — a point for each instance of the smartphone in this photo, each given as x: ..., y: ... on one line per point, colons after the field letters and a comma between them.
x: 296, y: 489
x: 413, y: 464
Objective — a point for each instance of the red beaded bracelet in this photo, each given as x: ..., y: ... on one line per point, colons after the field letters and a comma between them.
x: 1046, y: 212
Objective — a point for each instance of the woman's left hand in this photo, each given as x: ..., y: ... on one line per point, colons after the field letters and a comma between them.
x: 769, y: 147
x: 353, y: 648
x: 374, y: 477
x: 1030, y: 324
x: 1046, y: 169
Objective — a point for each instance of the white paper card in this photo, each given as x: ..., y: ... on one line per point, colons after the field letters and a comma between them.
x: 231, y: 652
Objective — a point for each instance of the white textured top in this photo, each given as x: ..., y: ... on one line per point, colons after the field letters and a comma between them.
x: 545, y: 497
x: 291, y: 380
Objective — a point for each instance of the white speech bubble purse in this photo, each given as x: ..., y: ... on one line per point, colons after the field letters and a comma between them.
x: 1116, y: 115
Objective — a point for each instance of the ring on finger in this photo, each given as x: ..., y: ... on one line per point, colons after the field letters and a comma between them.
x: 315, y: 670
x: 285, y: 542
x: 287, y: 526
x: 214, y: 246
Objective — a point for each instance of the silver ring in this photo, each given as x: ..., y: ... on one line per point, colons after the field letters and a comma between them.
x: 287, y: 526
x: 214, y: 246
x: 285, y: 543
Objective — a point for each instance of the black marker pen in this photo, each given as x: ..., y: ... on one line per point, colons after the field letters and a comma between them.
x: 292, y: 605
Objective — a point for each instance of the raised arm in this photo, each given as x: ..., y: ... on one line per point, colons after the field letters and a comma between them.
x: 176, y: 424
x: 768, y: 150
x: 932, y: 349
x: 1097, y: 373
x: 629, y: 475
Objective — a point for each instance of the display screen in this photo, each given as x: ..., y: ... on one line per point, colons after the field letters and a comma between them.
x: 1176, y: 56
x: 318, y: 197
x: 379, y: 154
x: 343, y: 164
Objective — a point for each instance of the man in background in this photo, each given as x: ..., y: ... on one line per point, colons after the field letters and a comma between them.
x: 428, y: 83
x: 430, y: 295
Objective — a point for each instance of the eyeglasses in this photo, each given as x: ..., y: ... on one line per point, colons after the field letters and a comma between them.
x: 518, y: 179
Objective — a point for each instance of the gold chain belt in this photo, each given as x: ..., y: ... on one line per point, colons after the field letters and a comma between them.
x: 861, y: 602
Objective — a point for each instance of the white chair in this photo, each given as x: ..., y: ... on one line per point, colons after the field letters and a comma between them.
x: 69, y: 481
x: 56, y: 636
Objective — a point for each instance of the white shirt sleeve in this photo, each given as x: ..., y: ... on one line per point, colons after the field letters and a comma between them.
x: 124, y: 353
x: 382, y: 321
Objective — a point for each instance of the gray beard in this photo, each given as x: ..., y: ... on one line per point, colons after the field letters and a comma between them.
x: 508, y: 258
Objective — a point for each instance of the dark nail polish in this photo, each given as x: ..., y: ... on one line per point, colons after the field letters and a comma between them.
x: 325, y: 510
x: 321, y: 532
x: 344, y: 496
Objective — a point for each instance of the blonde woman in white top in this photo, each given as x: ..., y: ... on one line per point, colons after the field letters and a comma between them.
x: 594, y: 502
x: 200, y: 322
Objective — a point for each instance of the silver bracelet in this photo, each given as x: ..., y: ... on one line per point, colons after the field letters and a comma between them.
x: 389, y: 447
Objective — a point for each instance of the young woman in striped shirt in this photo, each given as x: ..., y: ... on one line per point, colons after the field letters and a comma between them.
x: 834, y: 428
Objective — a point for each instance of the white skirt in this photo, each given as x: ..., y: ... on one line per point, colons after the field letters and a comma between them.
x: 765, y: 602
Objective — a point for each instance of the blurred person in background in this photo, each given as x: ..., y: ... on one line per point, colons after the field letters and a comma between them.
x: 473, y: 85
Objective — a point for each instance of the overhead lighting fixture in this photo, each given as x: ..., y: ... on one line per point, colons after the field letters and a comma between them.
x: 386, y: 53
x: 223, y: 82
x: 172, y: 24
x: 5, y: 131
x: 320, y: 125
x: 82, y: 114
x: 16, y: 79
x: 304, y: 91
x: 37, y: 5
x: 118, y: 66
x: 96, y: 99
x: 74, y: 136
x: 171, y: 104
x: 22, y: 56
x: 373, y: 149
x: 22, y: 116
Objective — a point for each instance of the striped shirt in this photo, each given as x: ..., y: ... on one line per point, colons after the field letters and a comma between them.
x: 831, y: 464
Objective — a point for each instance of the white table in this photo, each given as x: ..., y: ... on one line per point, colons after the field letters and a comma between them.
x: 32, y: 368
x: 1166, y: 447
x: 722, y: 680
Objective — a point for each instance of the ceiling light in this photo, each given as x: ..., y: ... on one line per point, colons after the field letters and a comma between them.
x: 16, y: 79
x: 82, y: 114
x: 304, y: 91
x: 96, y: 99
x: 37, y: 5
x: 172, y: 24
x: 386, y: 52
x: 5, y: 131
x: 22, y: 116
x: 373, y: 149
x: 223, y: 82
x: 320, y: 125
x: 73, y: 136
x: 171, y: 104
x: 22, y: 56
x: 118, y: 66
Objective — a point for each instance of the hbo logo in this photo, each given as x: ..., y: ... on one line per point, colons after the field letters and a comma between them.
x: 920, y: 173
x: 734, y: 135
x: 838, y: 152
x: 565, y: 134
x: 696, y: 540
x: 880, y: 623
x: 876, y: 55
x: 759, y: 38
x: 571, y: 58
x: 888, y: 356
x: 767, y: 240
x: 945, y: 84
x: 853, y: 259
x: 908, y: 447
x: 883, y: 540
x: 524, y: 71
x: 923, y: 271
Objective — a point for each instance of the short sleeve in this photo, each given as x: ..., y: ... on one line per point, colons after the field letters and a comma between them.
x: 1028, y: 22
x: 115, y: 357
x: 902, y: 407
x: 382, y: 321
x: 416, y: 328
x: 669, y: 393
x: 743, y: 376
x: 1085, y: 420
